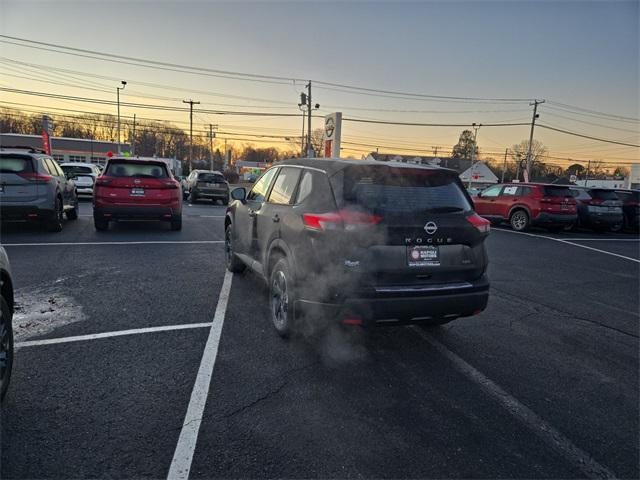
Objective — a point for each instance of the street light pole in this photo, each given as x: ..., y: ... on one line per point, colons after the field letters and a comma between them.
x: 118, y: 97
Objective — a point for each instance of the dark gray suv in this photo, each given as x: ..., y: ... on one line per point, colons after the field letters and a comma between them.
x: 206, y: 184
x: 360, y: 242
x: 33, y: 187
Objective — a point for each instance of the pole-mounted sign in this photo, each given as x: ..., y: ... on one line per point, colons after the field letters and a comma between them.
x: 332, y: 134
x: 46, y: 134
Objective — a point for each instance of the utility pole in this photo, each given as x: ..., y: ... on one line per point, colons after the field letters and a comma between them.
x: 435, y: 151
x: 191, y: 103
x: 309, y: 148
x: 118, y: 102
x: 504, y: 164
x: 133, y: 142
x: 586, y: 180
x: 533, y: 124
x: 211, y: 137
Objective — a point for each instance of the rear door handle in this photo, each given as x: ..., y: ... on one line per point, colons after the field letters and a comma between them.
x: 275, y: 218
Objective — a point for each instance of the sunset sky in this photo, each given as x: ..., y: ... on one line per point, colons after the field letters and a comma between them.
x: 581, y: 54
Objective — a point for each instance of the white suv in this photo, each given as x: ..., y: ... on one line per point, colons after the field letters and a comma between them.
x: 83, y: 174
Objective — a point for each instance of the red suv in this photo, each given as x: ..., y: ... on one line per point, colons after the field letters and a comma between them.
x: 137, y: 189
x: 527, y: 204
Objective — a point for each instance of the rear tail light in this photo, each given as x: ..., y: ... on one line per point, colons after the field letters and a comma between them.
x: 595, y: 201
x: 482, y: 224
x: 342, y: 219
x: 170, y: 184
x: 102, y: 181
x: 36, y: 177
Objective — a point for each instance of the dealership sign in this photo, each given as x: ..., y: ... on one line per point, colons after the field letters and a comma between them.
x: 332, y: 132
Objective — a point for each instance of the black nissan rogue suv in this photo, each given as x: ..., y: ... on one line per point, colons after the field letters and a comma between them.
x: 360, y: 242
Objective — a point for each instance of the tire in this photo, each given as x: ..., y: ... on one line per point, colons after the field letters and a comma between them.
x: 234, y: 264
x: 101, y: 224
x: 6, y: 347
x: 282, y: 298
x: 55, y: 223
x: 193, y: 198
x: 519, y: 220
x: 72, y: 214
x: 176, y: 224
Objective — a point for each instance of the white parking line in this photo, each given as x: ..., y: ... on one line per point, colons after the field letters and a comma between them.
x: 118, y: 333
x: 568, y: 243
x: 528, y: 417
x: 183, y: 455
x: 150, y: 242
x: 601, y: 239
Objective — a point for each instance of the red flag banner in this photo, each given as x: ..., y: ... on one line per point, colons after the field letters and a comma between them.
x: 45, y: 142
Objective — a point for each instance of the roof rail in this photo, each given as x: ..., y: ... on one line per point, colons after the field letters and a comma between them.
x: 22, y: 147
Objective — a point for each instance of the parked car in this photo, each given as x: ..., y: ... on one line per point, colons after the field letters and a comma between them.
x: 528, y: 204
x: 83, y: 174
x: 33, y: 187
x: 6, y: 328
x: 136, y: 189
x: 360, y: 242
x: 207, y: 184
x: 599, y: 209
x: 630, y: 208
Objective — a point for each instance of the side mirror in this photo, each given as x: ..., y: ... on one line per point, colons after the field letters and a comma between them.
x: 239, y: 193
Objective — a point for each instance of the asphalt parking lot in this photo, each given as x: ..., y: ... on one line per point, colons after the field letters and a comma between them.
x: 118, y: 333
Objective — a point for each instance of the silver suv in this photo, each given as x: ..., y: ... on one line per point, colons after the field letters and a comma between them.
x: 33, y: 187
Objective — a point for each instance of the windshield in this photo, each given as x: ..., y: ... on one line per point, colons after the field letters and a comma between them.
x: 143, y: 170
x: 76, y: 170
x: 210, y: 178
x: 604, y: 194
x: 399, y: 190
x: 15, y: 164
x: 557, y: 191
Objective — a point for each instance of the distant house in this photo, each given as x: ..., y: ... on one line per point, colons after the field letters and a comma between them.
x: 65, y: 149
x: 479, y: 174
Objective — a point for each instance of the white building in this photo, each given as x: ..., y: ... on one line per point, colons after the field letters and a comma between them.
x: 478, y: 174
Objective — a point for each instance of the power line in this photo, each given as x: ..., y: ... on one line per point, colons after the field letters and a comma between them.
x: 415, y: 124
x: 93, y: 54
x: 595, y: 112
x: 588, y: 136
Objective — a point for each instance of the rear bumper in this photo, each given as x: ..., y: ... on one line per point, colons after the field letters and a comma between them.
x: 555, y: 219
x: 84, y: 190
x: 135, y: 213
x: 402, y: 305
x: 604, y: 219
x: 210, y: 193
x: 12, y: 213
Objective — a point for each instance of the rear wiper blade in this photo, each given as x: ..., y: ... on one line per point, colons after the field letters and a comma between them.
x: 444, y: 209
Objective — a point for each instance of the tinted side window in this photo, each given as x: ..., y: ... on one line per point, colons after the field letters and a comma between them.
x: 492, y: 191
x: 284, y: 186
x: 48, y: 165
x: 305, y: 188
x: 260, y: 189
x: 524, y: 191
x: 510, y: 191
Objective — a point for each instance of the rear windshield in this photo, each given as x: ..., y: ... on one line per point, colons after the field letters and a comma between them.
x: 557, y: 191
x: 142, y: 170
x: 604, y: 194
x: 210, y: 177
x: 76, y: 170
x: 398, y: 190
x: 629, y: 196
x: 15, y: 164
